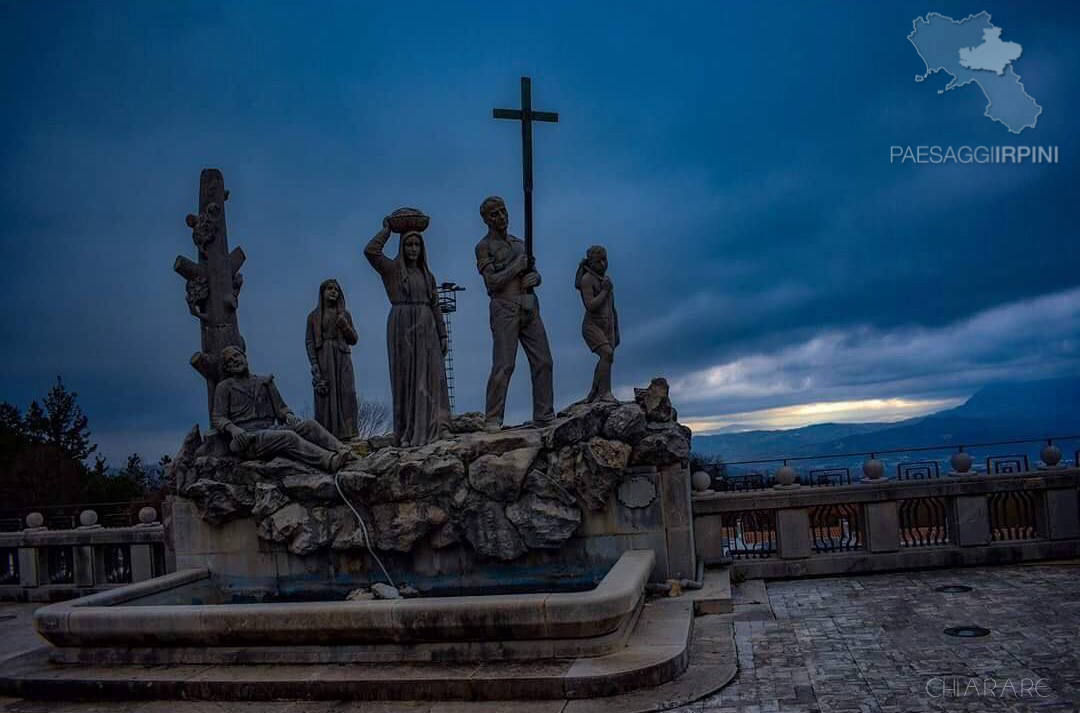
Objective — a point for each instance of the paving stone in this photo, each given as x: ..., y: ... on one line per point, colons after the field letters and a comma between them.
x: 872, y: 643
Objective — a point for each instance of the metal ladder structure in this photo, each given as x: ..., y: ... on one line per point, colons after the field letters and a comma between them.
x: 448, y: 305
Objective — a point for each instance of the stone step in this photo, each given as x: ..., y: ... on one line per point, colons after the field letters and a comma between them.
x: 714, y: 597
x: 657, y: 652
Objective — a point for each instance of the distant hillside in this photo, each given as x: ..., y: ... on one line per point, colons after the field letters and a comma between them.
x: 749, y: 445
x: 999, y: 412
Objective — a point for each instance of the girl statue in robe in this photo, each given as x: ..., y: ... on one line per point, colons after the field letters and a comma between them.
x: 330, y: 337
x: 415, y: 339
x: 600, y: 327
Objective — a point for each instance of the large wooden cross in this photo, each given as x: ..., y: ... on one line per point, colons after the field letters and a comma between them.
x: 526, y: 115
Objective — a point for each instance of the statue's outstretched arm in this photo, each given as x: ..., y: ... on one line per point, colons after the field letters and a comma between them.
x: 373, y: 251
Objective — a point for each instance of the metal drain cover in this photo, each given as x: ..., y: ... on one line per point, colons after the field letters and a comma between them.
x: 967, y: 632
x: 953, y: 588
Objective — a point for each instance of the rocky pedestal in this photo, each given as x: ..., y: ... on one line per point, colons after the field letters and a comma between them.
x: 484, y: 497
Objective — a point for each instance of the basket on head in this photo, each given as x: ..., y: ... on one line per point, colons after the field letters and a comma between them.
x: 407, y: 220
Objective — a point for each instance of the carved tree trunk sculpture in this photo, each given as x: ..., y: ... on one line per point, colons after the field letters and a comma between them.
x: 213, y: 283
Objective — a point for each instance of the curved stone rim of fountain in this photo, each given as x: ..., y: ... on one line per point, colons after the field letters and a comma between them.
x: 114, y: 619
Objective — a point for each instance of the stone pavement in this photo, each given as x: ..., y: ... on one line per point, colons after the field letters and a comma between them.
x: 834, y: 645
x: 875, y: 644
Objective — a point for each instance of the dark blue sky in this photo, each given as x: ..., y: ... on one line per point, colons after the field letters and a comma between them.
x: 734, y: 158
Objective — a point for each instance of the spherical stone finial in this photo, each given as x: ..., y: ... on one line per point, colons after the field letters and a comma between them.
x: 1051, y: 455
x: 701, y: 481
x: 961, y: 462
x: 35, y: 520
x: 873, y: 469
x: 88, y: 518
x: 147, y: 515
x: 785, y: 475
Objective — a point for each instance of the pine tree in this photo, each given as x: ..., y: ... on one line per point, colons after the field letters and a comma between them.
x: 61, y: 423
x: 135, y: 470
x: 11, y: 421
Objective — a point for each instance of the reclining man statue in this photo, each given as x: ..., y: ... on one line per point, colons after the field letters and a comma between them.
x: 249, y: 409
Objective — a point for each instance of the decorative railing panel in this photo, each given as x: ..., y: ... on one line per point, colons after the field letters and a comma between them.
x: 157, y: 559
x: 117, y: 564
x: 9, y: 565
x: 836, y: 527
x: 918, y: 470
x: 924, y: 522
x: 742, y: 483
x: 1007, y: 464
x: 749, y: 534
x: 60, y: 565
x: 1014, y: 515
x: 829, y: 476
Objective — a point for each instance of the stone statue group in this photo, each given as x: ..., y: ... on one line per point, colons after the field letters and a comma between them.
x: 249, y: 410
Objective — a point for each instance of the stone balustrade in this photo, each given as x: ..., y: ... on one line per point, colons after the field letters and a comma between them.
x: 881, y: 524
x: 39, y: 564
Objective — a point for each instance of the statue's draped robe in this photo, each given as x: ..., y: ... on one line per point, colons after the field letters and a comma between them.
x: 329, y: 349
x: 414, y: 333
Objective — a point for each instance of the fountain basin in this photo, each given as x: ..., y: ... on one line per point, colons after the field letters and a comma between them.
x: 128, y: 625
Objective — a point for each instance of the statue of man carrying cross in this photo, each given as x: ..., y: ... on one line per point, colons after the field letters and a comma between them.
x: 508, y: 268
x: 515, y: 316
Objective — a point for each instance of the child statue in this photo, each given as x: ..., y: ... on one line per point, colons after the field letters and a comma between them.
x: 600, y: 327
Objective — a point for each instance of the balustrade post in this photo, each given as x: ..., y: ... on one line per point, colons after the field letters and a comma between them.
x: 972, y: 516
x: 87, y: 562
x: 1062, y: 514
x: 793, y: 533
x: 29, y: 571
x: 85, y: 566
x: 882, y: 526
x: 142, y: 563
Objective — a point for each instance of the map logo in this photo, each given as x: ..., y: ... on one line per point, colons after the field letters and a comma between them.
x: 971, y: 51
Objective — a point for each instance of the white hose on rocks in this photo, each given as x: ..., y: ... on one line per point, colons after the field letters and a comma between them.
x: 363, y: 529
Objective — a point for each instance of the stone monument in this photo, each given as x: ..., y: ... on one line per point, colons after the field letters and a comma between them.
x: 329, y: 341
x: 279, y: 534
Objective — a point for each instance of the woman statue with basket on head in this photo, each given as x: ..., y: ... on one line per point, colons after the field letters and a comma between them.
x: 415, y: 331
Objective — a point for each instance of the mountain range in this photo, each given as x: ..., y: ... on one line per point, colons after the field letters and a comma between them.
x: 998, y: 412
